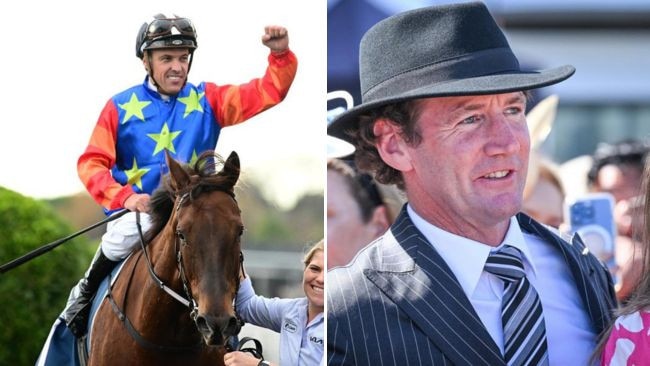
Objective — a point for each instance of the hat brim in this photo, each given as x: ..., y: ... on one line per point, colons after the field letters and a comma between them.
x: 481, y: 85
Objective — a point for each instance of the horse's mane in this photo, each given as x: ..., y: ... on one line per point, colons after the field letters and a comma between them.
x: 205, y: 177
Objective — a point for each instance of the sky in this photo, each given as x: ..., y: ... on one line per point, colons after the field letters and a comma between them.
x: 63, y: 60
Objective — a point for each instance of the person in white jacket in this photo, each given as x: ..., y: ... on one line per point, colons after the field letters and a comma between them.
x: 299, y: 321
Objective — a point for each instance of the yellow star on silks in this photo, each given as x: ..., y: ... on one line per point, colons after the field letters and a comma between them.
x: 194, y: 158
x: 135, y: 175
x: 164, y: 139
x: 192, y: 102
x: 134, y: 107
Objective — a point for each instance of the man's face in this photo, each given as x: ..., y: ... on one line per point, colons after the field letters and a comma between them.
x: 346, y: 230
x: 622, y: 181
x: 468, y: 171
x: 170, y: 68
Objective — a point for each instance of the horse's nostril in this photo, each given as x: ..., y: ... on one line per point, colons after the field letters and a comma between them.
x: 203, y: 325
x: 232, y: 322
x: 215, y: 329
x: 233, y: 326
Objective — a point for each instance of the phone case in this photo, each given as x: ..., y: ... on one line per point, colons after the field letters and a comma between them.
x: 592, y: 217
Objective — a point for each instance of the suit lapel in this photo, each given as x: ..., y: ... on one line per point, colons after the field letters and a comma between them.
x: 416, y: 278
x: 591, y: 278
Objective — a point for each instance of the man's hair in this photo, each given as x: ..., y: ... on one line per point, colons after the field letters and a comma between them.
x: 403, y: 115
x: 624, y: 153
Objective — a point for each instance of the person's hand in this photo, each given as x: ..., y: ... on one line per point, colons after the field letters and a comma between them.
x: 237, y: 358
x: 137, y: 202
x: 276, y: 38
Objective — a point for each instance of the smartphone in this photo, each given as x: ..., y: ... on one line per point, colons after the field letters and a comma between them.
x: 592, y: 217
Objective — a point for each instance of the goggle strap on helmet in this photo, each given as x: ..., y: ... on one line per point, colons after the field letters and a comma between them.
x: 163, y: 32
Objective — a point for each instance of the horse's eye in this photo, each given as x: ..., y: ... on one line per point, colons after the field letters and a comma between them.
x: 241, y: 231
x: 180, y: 235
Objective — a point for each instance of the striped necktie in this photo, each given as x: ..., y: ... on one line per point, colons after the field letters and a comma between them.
x: 524, y: 332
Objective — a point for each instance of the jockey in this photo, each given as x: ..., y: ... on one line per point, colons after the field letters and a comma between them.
x: 124, y: 160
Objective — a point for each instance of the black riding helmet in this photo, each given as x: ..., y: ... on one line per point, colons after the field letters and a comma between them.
x: 166, y: 32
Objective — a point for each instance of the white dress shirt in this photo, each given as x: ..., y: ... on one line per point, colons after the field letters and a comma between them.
x: 570, y: 334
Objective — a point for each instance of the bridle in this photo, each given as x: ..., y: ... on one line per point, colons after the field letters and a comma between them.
x: 179, y: 238
x: 188, y: 300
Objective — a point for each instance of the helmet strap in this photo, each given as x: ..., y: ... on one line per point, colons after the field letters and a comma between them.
x: 189, y: 64
x: 150, y: 70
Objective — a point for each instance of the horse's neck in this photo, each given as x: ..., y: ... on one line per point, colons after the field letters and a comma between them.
x: 153, y: 301
x: 163, y: 257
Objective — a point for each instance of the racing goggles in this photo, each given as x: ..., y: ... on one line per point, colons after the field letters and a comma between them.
x: 163, y: 27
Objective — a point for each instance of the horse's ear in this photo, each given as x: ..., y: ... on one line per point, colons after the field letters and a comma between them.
x: 178, y: 177
x: 231, y: 168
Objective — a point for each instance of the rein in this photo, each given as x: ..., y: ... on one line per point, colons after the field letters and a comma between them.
x: 191, y: 304
x: 187, y: 301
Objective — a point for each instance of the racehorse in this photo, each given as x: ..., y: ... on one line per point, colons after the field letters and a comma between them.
x: 173, y: 302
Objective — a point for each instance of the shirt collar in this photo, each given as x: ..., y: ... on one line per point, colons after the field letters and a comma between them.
x: 319, y: 318
x: 154, y: 89
x: 465, y: 257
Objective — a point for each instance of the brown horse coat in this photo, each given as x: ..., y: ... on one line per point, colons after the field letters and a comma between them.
x: 195, y: 217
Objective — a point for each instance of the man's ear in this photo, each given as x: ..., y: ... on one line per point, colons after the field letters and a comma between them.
x: 145, y: 61
x: 391, y: 146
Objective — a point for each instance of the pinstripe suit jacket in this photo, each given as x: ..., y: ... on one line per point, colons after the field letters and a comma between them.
x: 398, y: 303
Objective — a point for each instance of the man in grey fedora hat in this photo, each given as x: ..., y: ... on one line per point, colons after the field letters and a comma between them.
x: 462, y: 277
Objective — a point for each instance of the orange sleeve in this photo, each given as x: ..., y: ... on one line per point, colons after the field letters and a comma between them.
x: 236, y: 103
x: 94, y: 165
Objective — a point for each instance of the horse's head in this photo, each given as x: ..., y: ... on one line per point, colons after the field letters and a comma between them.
x: 207, y: 226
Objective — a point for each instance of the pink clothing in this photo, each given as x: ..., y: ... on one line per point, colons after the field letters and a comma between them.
x: 629, y: 342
